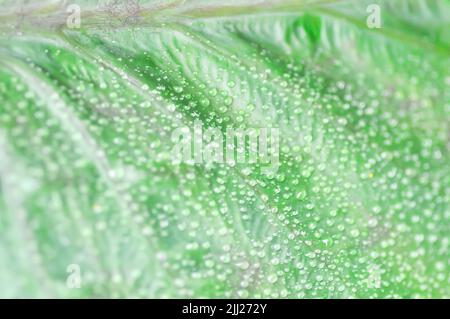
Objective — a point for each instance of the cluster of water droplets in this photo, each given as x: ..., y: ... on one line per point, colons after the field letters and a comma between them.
x: 359, y: 206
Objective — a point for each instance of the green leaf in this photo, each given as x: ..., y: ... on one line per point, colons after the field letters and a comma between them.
x: 359, y: 206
